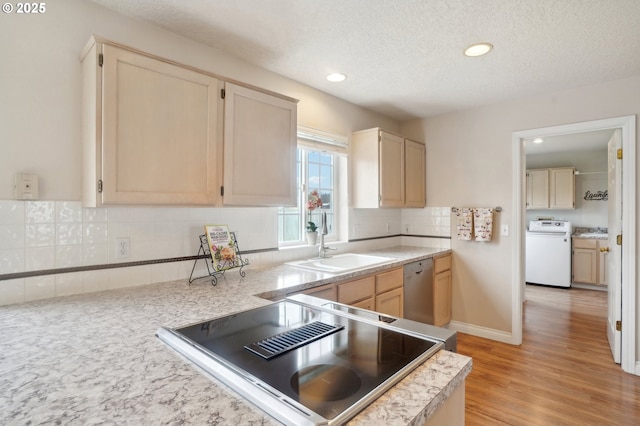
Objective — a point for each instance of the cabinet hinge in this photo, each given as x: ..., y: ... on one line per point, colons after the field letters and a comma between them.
x: 619, y: 153
x: 618, y: 325
x: 99, y: 185
x: 222, y: 191
x: 100, y: 59
x: 223, y: 93
x: 619, y: 239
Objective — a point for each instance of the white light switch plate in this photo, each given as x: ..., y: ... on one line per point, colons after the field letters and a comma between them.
x: 504, y: 230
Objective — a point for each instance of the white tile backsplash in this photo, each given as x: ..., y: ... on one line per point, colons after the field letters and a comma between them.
x: 39, y: 235
x: 11, y: 212
x: 39, y: 258
x: 40, y: 211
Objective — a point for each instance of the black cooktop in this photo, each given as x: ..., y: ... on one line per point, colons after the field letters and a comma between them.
x: 326, y: 361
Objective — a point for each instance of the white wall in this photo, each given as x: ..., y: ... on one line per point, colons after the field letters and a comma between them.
x: 469, y: 164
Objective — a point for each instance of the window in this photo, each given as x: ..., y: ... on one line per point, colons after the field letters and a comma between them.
x: 317, y: 170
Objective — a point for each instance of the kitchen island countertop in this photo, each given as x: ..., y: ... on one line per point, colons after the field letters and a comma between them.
x: 94, y: 358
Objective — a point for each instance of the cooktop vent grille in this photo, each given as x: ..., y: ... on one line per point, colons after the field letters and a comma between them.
x: 291, y: 339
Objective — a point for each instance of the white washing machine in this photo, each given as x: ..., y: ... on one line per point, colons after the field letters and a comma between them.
x: 548, y: 253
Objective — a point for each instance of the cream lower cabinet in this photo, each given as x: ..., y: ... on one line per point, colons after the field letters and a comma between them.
x: 382, y: 292
x: 390, y: 293
x: 588, y: 263
x: 387, y: 170
x: 155, y: 132
x: 328, y: 292
x: 442, y: 284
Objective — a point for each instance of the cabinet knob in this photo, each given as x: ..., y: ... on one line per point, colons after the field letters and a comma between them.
x: 604, y: 249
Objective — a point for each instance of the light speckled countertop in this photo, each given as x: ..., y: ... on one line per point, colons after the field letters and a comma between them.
x: 94, y: 358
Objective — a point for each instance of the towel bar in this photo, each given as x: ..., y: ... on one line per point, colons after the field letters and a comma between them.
x: 497, y: 209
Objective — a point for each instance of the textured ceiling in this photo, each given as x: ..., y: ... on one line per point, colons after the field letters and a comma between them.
x: 403, y: 58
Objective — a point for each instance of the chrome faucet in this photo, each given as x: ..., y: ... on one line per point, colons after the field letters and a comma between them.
x: 322, y: 249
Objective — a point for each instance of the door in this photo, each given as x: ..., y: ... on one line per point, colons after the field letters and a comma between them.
x: 259, y: 148
x: 415, y: 174
x: 160, y: 131
x: 614, y: 261
x: 391, y: 157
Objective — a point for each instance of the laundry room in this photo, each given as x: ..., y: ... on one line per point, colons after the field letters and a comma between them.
x: 567, y: 210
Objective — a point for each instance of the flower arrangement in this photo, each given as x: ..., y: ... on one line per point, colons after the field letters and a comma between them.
x: 313, y: 202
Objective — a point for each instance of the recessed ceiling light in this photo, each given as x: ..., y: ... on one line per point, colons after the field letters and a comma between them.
x: 538, y: 140
x: 336, y: 77
x: 478, y: 49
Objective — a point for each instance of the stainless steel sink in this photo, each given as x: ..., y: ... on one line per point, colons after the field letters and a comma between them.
x: 340, y: 263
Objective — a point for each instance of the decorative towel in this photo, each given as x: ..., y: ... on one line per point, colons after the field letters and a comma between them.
x: 464, y: 223
x: 483, y: 224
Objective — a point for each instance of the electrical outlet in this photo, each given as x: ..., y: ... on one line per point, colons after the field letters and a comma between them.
x: 122, y: 248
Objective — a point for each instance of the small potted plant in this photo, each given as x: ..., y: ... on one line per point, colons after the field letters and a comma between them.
x: 313, y: 202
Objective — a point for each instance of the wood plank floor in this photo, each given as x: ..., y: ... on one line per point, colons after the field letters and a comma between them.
x: 562, y: 374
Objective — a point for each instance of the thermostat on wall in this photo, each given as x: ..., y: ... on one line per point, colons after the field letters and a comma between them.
x: 26, y: 186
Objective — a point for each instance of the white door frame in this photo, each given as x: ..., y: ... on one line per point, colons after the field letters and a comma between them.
x: 629, y: 308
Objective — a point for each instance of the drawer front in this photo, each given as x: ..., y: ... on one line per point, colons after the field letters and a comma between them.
x: 442, y: 263
x: 588, y: 243
x: 324, y: 292
x: 389, y: 280
x: 354, y: 291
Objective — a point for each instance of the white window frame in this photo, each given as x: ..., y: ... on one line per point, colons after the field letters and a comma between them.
x: 315, y: 140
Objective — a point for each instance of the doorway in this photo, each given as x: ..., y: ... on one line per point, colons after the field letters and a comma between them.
x: 628, y: 284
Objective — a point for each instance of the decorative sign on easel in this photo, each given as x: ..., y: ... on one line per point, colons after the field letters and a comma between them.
x: 596, y: 196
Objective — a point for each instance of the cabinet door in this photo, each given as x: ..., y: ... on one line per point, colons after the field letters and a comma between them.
x: 356, y: 290
x: 368, y: 304
x: 603, y: 258
x: 391, y: 170
x: 584, y: 265
x: 442, y: 298
x: 562, y: 193
x: 537, y: 189
x: 324, y: 292
x: 259, y: 148
x: 389, y: 280
x: 390, y: 303
x: 160, y: 131
x: 415, y: 174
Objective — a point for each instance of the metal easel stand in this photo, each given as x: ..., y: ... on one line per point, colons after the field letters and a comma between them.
x: 214, y: 271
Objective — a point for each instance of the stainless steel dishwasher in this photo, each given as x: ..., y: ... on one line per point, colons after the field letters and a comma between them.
x: 418, y: 291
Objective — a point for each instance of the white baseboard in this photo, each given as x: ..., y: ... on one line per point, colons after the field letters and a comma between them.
x: 478, y: 331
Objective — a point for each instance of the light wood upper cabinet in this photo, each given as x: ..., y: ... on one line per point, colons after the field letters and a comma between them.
x: 551, y: 189
x: 562, y: 193
x: 155, y: 132
x: 259, y: 148
x: 387, y: 170
x: 151, y: 130
x: 415, y: 170
x: 537, y: 189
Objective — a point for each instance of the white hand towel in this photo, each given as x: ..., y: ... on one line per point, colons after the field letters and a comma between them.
x: 483, y: 224
x: 464, y: 223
